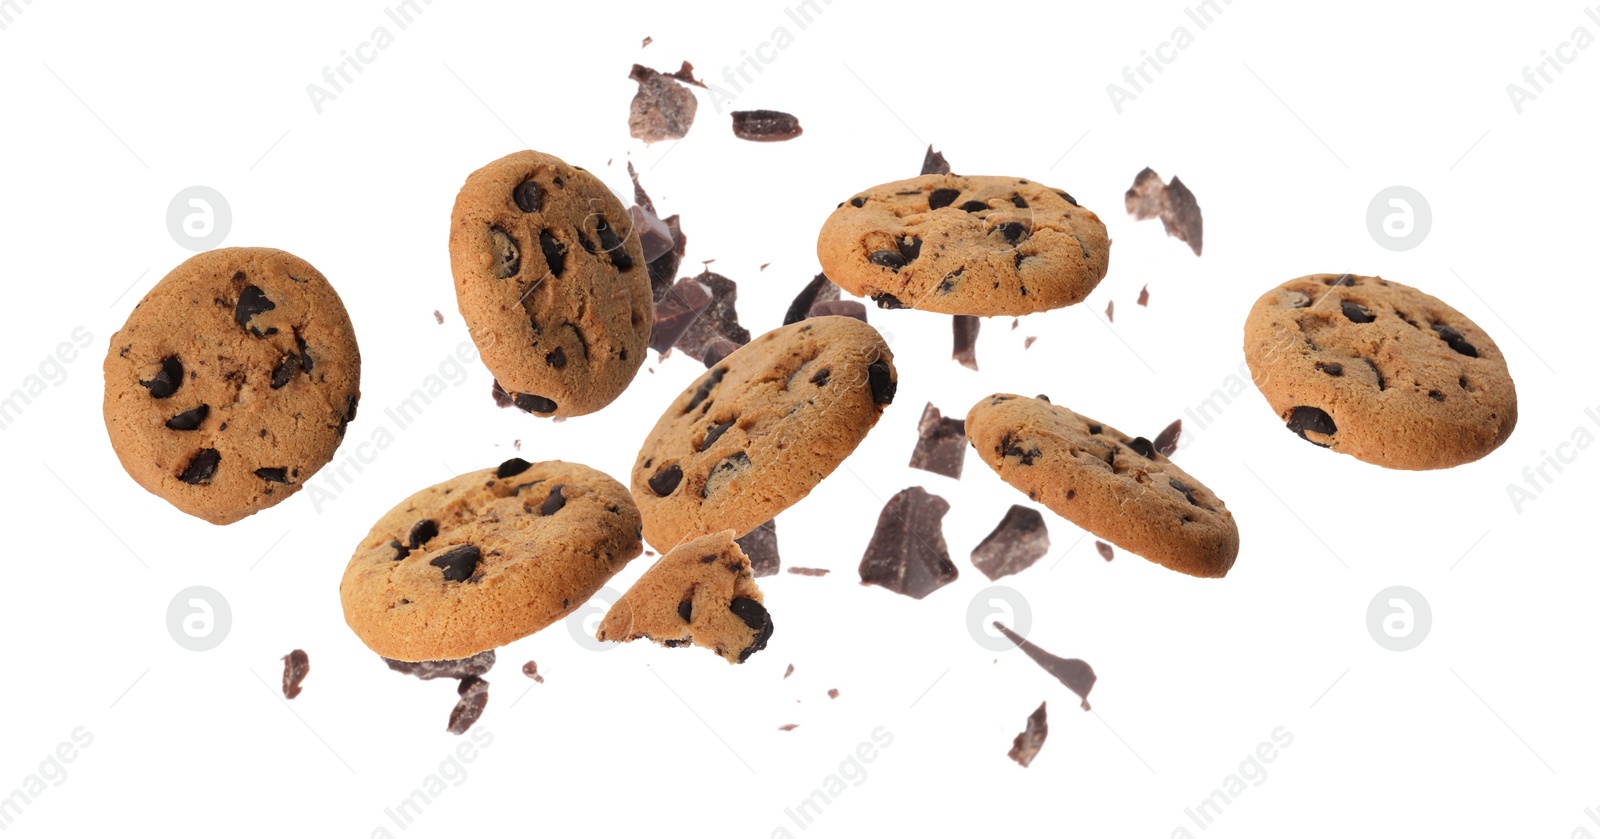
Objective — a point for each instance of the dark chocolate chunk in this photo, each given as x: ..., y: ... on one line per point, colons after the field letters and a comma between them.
x: 756, y: 617
x: 765, y: 126
x: 1356, y: 313
x: 761, y: 546
x: 501, y: 398
x: 554, y: 501
x: 1025, y: 747
x: 1375, y: 372
x: 964, y: 349
x: 1183, y: 488
x: 1019, y: 201
x: 933, y: 163
x: 885, y: 300
x: 1009, y: 447
x: 907, y: 554
x: 1015, y: 544
x: 1455, y: 340
x: 686, y: 609
x: 531, y: 670
x: 201, y: 467
x: 665, y: 480
x: 1095, y: 428
x: 662, y: 109
x: 1342, y: 280
x: 655, y: 237
x: 612, y: 244
x: 677, y: 311
x: 714, y: 433
x: 819, y: 290
x: 422, y: 533
x: 707, y: 384
x: 942, y: 198
x: 974, y: 207
x: 511, y: 468
x: 941, y: 443
x: 844, y: 308
x: 274, y: 474
x: 893, y: 260
x: 457, y: 563
x: 189, y: 420
x: 534, y: 404
x: 1105, y: 550
x: 1167, y: 441
x: 252, y: 302
x: 1144, y: 296
x: 1068, y: 198
x: 1014, y: 231
x: 911, y: 248
x: 881, y: 381
x: 529, y: 196
x: 458, y: 668
x: 555, y: 253
x: 284, y: 371
x: 507, y: 256
x: 718, y: 320
x: 1332, y: 368
x: 400, y: 551
x: 820, y: 378
x: 1075, y: 673
x: 556, y: 358
x: 474, y: 694
x: 1145, y: 448
x: 725, y: 470
x: 1173, y: 203
x: 295, y: 667
x: 167, y: 380
x: 1316, y: 420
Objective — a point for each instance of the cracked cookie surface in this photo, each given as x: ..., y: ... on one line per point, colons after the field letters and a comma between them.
x: 965, y: 245
x: 702, y: 593
x: 1117, y: 487
x: 756, y: 432
x: 1379, y: 371
x: 232, y: 382
x: 552, y: 282
x: 487, y: 557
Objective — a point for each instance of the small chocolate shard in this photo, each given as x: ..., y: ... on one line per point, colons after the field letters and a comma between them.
x: 761, y: 546
x: 1075, y: 673
x: 201, y: 467
x: 1167, y: 441
x: 809, y: 572
x: 788, y: 726
x: 474, y: 694
x: 1144, y: 296
x: 941, y: 443
x: 682, y: 305
x: 789, y: 672
x: 907, y: 554
x: 819, y: 290
x: 716, y: 332
x: 662, y: 109
x: 933, y: 163
x: 1015, y: 544
x: 1111, y: 310
x: 1173, y: 203
x: 501, y: 398
x: 438, y: 318
x: 1105, y: 550
x: 965, y: 346
x: 882, y: 382
x: 833, y: 693
x: 531, y: 670
x: 458, y: 668
x: 765, y: 126
x: 1028, y: 341
x: 1026, y: 746
x: 845, y: 308
x: 295, y: 667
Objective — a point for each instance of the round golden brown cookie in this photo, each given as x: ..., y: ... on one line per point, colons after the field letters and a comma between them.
x: 232, y: 382
x: 1117, y: 487
x: 759, y: 430
x: 703, y: 593
x: 487, y: 557
x: 1379, y: 371
x: 552, y: 283
x: 965, y: 246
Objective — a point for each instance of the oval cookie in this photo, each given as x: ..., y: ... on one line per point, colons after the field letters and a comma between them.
x: 1379, y: 371
x: 965, y: 245
x: 761, y: 428
x: 1117, y: 487
x: 231, y: 382
x: 487, y: 557
x: 552, y: 283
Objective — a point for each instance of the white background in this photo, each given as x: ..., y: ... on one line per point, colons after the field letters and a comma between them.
x: 1284, y: 119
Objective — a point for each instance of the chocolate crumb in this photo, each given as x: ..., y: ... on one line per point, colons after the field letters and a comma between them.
x: 295, y: 667
x: 1144, y: 297
x: 833, y: 693
x: 474, y: 694
x: 965, y: 329
x: 501, y: 398
x: 809, y: 572
x: 789, y: 727
x: 531, y: 670
x: 1026, y: 746
x: 1028, y: 341
x: 646, y: 42
x: 438, y: 318
x: 789, y: 672
x: 1105, y: 550
x: 1111, y: 306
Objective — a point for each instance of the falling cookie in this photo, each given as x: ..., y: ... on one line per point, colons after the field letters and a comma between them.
x: 1117, y: 487
x: 701, y: 592
x: 485, y: 558
x: 1379, y: 371
x: 965, y: 246
x: 759, y: 430
x: 552, y: 283
x: 232, y: 382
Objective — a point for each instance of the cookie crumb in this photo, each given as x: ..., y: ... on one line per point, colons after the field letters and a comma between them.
x: 1167, y: 441
x: 907, y: 554
x: 1173, y: 203
x: 1027, y: 342
x: 295, y: 667
x: 933, y: 163
x: 809, y: 572
x: 1105, y: 550
x: 965, y: 331
x: 646, y: 42
x: 766, y: 126
x: 941, y: 444
x: 474, y: 694
x: 1075, y: 673
x: 438, y: 318
x: 531, y: 670
x: 1144, y: 297
x: 1015, y: 544
x: 1111, y: 306
x: 516, y: 444
x: 833, y: 693
x: 1027, y: 744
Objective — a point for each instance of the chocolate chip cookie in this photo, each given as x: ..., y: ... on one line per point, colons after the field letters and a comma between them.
x: 232, y: 382
x: 487, y: 557
x: 1117, y: 487
x: 552, y: 282
x: 761, y: 428
x: 703, y: 593
x: 1379, y: 371
x: 965, y: 245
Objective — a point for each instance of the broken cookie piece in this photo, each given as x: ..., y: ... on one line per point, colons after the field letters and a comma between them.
x: 1173, y: 203
x: 1026, y: 746
x: 941, y: 443
x: 1015, y: 544
x: 701, y: 592
x: 907, y: 554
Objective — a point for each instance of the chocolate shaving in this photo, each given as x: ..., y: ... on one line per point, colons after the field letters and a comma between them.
x: 1075, y: 673
x: 1026, y: 746
x: 965, y: 348
x: 1173, y: 203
